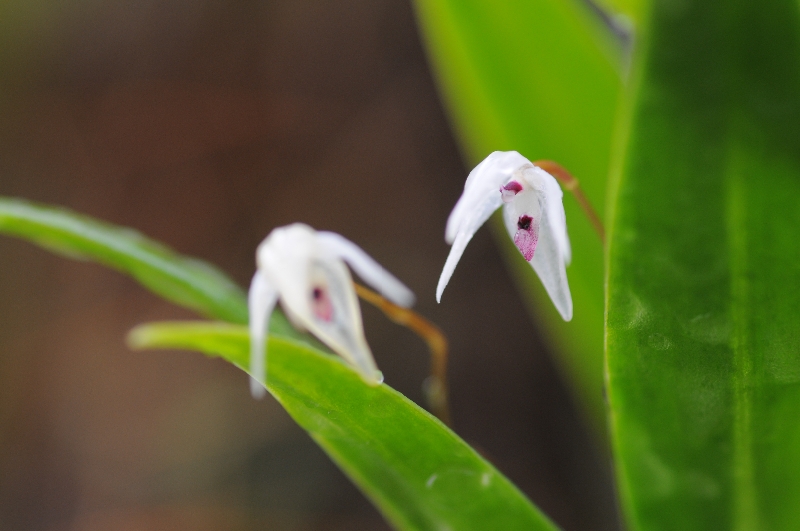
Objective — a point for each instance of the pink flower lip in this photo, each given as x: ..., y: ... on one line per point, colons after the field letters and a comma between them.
x: 321, y: 304
x: 527, y: 236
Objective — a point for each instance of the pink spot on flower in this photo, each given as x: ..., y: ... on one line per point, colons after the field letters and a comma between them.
x: 321, y: 304
x: 527, y: 236
x: 510, y: 190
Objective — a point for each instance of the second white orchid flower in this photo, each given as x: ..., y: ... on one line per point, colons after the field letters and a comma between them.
x: 306, y: 271
x: 534, y: 217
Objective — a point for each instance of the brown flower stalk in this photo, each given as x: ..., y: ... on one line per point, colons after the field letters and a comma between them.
x: 436, y: 386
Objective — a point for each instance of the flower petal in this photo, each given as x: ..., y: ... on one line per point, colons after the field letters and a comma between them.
x: 552, y: 247
x: 483, y: 183
x: 367, y: 268
x: 460, y: 243
x: 554, y: 211
x: 550, y: 265
x: 338, y: 323
x: 261, y: 301
x: 480, y: 199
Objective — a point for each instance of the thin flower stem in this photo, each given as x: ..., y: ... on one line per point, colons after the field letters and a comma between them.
x: 436, y: 386
x: 571, y: 184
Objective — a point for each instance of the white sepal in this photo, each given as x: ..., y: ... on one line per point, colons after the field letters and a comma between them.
x: 554, y: 212
x: 367, y: 268
x: 261, y: 301
x: 548, y: 262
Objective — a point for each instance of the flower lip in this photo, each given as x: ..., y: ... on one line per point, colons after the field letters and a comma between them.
x: 527, y: 236
x: 321, y: 304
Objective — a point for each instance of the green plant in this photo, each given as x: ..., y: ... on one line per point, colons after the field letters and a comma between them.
x: 691, y: 127
x: 418, y: 472
x: 701, y: 267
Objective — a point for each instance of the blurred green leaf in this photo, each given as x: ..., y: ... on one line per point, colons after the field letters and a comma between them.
x: 540, y: 78
x: 703, y: 282
x: 419, y: 473
x: 188, y: 282
x: 627, y: 13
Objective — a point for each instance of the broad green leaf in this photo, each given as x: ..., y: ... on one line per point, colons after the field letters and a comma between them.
x: 703, y: 334
x: 539, y: 77
x: 419, y: 473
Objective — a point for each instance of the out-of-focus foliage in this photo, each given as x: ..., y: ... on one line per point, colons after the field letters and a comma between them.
x: 185, y: 281
x: 625, y: 13
x: 541, y: 78
x: 704, y: 282
x: 419, y: 473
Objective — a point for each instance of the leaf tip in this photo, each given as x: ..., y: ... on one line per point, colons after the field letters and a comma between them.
x: 139, y: 338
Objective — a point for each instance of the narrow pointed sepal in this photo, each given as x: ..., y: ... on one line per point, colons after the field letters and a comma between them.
x: 367, y: 268
x: 460, y: 243
x: 261, y: 301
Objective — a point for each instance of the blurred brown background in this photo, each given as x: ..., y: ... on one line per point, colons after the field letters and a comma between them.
x: 205, y: 124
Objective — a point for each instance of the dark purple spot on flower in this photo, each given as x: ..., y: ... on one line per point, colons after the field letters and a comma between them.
x: 321, y: 304
x: 527, y: 236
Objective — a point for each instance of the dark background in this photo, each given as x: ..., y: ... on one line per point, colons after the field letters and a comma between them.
x: 204, y: 124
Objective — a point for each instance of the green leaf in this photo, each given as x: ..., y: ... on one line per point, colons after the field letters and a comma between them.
x: 626, y: 13
x: 538, y: 77
x: 187, y: 282
x: 419, y: 473
x: 703, y: 280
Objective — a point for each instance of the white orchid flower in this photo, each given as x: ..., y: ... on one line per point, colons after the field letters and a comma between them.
x: 534, y: 217
x: 306, y: 271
